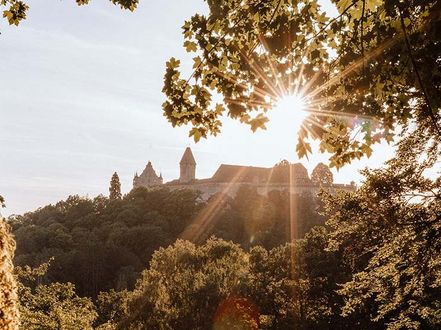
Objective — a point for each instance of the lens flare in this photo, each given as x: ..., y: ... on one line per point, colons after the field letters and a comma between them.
x: 236, y: 313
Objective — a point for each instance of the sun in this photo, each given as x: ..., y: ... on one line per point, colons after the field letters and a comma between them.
x: 288, y: 115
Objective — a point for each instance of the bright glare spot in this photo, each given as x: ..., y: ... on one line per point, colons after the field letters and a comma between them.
x: 287, y: 116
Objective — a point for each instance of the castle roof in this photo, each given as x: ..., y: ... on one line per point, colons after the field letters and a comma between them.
x: 148, y: 171
x: 289, y: 173
x: 251, y: 174
x: 187, y: 157
x: 236, y: 173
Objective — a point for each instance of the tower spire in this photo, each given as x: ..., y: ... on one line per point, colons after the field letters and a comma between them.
x: 187, y: 157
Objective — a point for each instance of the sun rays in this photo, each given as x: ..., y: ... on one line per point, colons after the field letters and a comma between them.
x: 275, y: 88
x: 206, y: 219
x: 291, y: 102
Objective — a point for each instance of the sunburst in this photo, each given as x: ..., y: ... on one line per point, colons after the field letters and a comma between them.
x: 287, y: 116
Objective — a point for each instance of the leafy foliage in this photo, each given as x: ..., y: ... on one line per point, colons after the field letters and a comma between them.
x: 102, y: 244
x: 185, y: 284
x: 364, y: 73
x: 395, y: 220
x: 16, y: 11
x: 219, y: 285
x: 54, y: 306
x: 110, y: 308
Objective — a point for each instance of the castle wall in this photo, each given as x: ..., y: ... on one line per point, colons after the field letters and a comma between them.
x: 210, y: 188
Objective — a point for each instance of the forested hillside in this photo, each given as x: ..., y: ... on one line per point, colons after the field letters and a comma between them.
x: 101, y: 244
x: 374, y: 264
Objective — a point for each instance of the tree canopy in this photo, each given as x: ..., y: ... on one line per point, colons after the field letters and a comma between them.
x: 219, y: 285
x: 102, y: 244
x: 124, y: 233
x: 365, y: 74
x: 53, y: 306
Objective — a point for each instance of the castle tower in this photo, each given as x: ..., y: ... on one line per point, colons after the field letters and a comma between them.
x: 147, y: 178
x: 188, y: 167
x: 135, y: 180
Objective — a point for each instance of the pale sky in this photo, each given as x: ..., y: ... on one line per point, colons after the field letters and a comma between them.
x: 80, y: 98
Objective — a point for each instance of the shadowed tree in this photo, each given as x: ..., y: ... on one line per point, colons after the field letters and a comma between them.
x: 98, y: 244
x: 115, y: 187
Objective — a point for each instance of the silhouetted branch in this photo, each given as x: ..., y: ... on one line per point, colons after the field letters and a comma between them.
x: 420, y: 81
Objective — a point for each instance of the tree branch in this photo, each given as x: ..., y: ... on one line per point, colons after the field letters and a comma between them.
x: 270, y: 21
x: 331, y: 21
x: 361, y: 34
x: 420, y: 81
x: 214, y: 47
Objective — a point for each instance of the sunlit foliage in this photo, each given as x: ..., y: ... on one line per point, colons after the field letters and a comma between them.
x: 110, y: 309
x: 8, y: 292
x: 389, y: 231
x: 185, y: 284
x: 363, y: 74
x: 54, y: 306
x: 219, y: 285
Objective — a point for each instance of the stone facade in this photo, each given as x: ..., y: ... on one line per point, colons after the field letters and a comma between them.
x: 229, y: 178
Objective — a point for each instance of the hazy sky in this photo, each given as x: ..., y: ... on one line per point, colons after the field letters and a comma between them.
x: 80, y: 98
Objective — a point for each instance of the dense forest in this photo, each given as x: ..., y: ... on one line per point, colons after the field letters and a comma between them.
x: 102, y: 243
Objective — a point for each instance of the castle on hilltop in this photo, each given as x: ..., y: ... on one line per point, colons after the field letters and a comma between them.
x: 229, y: 178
